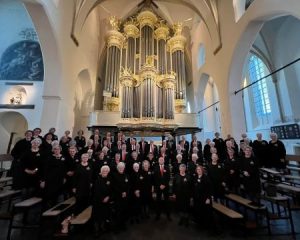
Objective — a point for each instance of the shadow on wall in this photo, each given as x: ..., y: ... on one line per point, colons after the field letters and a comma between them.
x: 11, y: 122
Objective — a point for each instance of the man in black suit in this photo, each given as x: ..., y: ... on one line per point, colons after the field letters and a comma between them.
x: 153, y: 149
x: 161, y: 187
x: 143, y: 148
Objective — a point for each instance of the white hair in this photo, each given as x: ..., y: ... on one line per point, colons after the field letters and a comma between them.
x: 37, y: 141
x: 120, y: 165
x: 105, y: 167
x: 135, y: 165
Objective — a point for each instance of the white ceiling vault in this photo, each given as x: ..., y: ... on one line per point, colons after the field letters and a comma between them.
x: 190, y: 12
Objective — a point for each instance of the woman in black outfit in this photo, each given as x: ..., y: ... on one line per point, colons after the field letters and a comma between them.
x: 216, y: 175
x: 182, y: 185
x: 80, y: 140
x: 31, y: 164
x: 121, y: 195
x: 102, y: 199
x: 53, y: 177
x: 147, y: 188
x: 251, y: 178
x: 202, y: 196
x: 136, y: 184
x: 82, y: 184
x: 232, y: 171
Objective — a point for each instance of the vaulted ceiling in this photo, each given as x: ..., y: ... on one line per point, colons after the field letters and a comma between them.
x: 190, y: 12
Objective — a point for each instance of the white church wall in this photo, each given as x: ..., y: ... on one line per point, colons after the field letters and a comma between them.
x: 18, y: 27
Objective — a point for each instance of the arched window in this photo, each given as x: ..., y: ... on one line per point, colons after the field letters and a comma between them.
x: 201, y: 56
x: 257, y: 70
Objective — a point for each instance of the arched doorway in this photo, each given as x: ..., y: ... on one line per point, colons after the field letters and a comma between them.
x: 11, y: 123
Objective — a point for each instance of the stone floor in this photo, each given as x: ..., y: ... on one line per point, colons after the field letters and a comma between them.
x: 163, y: 229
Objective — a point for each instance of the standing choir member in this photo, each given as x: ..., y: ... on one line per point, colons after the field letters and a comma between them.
x: 80, y: 140
x: 182, y: 189
x: 161, y: 186
x: 232, y: 172
x: 202, y: 196
x: 31, y: 164
x: 277, y: 152
x: 147, y: 188
x: 216, y: 175
x: 82, y: 184
x: 251, y: 178
x: 121, y: 195
x: 53, y: 177
x: 261, y: 150
x: 136, y: 184
x: 21, y: 147
x: 101, y: 200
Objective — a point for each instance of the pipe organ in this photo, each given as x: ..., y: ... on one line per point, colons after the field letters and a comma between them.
x: 145, y: 77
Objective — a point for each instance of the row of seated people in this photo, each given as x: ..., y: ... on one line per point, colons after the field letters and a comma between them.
x: 127, y: 184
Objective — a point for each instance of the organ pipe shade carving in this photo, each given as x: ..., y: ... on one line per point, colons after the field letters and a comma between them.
x: 145, y: 77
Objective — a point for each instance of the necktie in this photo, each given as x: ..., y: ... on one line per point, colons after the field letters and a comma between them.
x: 161, y: 170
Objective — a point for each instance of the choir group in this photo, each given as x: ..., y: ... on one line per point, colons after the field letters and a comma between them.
x: 123, y: 179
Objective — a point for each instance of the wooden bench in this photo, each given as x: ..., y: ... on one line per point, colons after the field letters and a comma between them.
x: 60, y: 208
x: 247, y: 204
x: 226, y: 211
x: 83, y: 217
x: 22, y: 206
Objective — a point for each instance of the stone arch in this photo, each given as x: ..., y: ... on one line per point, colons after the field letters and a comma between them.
x: 53, y: 75
x: 11, y: 122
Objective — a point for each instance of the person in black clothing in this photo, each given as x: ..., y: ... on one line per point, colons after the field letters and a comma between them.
x: 53, y: 177
x: 202, y: 198
x: 121, y: 195
x: 175, y: 166
x: 191, y: 166
x: 216, y: 175
x: 72, y: 160
x: 21, y: 147
x: 206, y: 151
x: 52, y: 131
x: 136, y: 184
x: 99, y: 162
x: 219, y: 145
x: 152, y: 160
x: 31, y: 164
x: 46, y: 146
x: 102, y: 199
x: 82, y: 184
x: 147, y: 188
x: 80, y: 140
x: 161, y: 188
x: 251, y: 178
x: 277, y: 153
x: 129, y: 164
x: 113, y: 165
x: 232, y: 172
x: 261, y: 150
x: 182, y: 190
